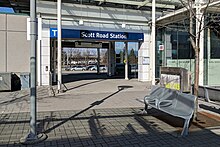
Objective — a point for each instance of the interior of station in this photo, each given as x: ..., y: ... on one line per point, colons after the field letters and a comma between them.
x: 95, y: 58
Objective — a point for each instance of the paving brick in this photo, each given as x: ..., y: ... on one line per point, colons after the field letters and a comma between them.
x: 100, y: 127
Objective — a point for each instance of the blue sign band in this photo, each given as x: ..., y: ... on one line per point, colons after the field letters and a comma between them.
x: 97, y: 35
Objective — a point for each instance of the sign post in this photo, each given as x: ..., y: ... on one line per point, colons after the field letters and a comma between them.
x: 32, y: 137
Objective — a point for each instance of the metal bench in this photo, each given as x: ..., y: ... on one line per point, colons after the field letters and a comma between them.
x: 172, y: 102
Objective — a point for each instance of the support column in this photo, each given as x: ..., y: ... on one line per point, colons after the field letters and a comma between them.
x: 153, y: 42
x: 126, y: 60
x: 208, y: 55
x: 144, y: 72
x: 113, y: 58
x: 98, y: 61
x: 59, y: 41
x: 201, y: 42
x: 33, y: 92
x: 39, y: 81
x: 32, y: 137
x: 54, y: 61
x: 67, y: 59
x: 109, y: 60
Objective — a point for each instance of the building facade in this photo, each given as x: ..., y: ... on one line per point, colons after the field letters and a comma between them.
x: 84, y: 22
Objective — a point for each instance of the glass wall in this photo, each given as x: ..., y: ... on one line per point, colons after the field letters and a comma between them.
x: 215, y: 44
x: 132, y: 57
x: 181, y: 46
x: 179, y: 53
x: 213, y: 57
x: 176, y: 49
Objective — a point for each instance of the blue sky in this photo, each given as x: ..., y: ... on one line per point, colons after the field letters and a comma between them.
x: 6, y: 10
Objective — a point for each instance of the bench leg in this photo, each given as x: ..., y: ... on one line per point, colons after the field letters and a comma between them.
x: 144, y: 111
x: 145, y: 108
x: 185, y: 128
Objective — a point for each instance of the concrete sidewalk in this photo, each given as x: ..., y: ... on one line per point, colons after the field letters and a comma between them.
x: 80, y: 94
x: 97, y: 113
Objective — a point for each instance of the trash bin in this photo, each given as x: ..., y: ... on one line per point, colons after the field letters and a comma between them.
x: 9, y: 81
x: 25, y: 80
x: 175, y: 78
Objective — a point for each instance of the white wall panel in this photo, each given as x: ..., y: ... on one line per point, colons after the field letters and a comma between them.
x: 3, y: 51
x: 45, y: 33
x: 17, y: 23
x: 45, y: 79
x: 45, y: 42
x: 45, y: 51
x: 18, y: 52
x: 2, y: 21
x: 45, y: 59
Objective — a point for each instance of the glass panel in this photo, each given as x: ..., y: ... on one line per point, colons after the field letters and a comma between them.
x: 133, y: 58
x: 215, y: 45
x: 181, y: 46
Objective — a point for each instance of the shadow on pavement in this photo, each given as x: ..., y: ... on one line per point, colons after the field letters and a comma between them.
x: 84, y: 84
x: 15, y: 100
x: 204, y: 120
x: 112, y: 127
x: 120, y: 88
x: 210, y: 108
x: 71, y: 77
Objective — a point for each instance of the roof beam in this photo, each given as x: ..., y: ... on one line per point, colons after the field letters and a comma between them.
x: 136, y: 3
x: 144, y: 3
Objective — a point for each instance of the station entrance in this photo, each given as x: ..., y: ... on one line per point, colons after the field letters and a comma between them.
x: 95, y: 59
x: 96, y: 52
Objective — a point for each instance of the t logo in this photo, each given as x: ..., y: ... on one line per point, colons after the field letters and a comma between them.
x: 54, y: 33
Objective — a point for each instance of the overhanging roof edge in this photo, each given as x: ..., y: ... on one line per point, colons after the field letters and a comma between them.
x: 166, y: 18
x: 171, y: 15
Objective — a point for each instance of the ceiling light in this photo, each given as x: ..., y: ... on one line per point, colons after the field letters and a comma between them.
x: 123, y: 25
x: 81, y: 22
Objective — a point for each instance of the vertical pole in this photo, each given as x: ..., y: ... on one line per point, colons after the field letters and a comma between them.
x: 139, y: 63
x: 98, y: 61
x: 200, y: 40
x: 39, y: 78
x: 113, y: 58
x: 153, y: 40
x: 109, y: 61
x: 33, y: 94
x: 54, y: 61
x: 165, y: 48
x: 177, y: 48
x: 59, y: 46
x: 201, y: 45
x: 67, y: 58
x: 208, y: 55
x: 126, y: 60
x: 32, y: 137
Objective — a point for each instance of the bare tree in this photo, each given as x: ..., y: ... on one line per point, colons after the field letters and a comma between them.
x: 197, y: 13
x: 132, y: 57
x: 77, y: 55
x: 104, y: 57
x: 86, y: 55
x: 197, y: 10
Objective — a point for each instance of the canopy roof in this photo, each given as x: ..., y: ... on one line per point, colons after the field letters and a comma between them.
x: 22, y: 6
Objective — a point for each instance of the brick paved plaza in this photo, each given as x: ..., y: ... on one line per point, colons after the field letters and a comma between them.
x: 96, y: 113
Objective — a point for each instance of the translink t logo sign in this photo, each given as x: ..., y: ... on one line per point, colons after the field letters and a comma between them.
x: 54, y: 32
